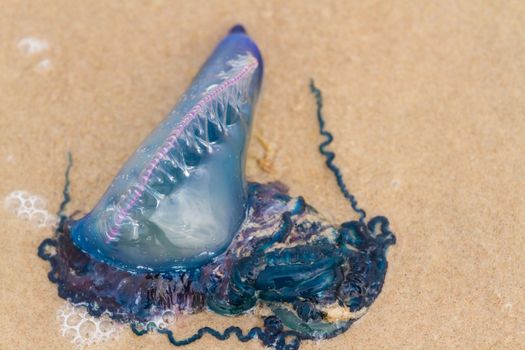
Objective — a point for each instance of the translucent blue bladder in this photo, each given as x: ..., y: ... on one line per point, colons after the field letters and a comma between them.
x: 181, y: 197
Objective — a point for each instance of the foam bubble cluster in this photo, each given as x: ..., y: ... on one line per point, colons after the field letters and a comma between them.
x: 31, y: 208
x: 84, y: 330
x: 163, y: 321
x: 31, y: 45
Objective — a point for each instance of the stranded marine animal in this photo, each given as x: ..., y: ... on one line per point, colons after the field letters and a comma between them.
x: 180, y: 230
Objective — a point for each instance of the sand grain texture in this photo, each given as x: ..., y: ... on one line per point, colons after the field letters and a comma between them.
x: 426, y: 102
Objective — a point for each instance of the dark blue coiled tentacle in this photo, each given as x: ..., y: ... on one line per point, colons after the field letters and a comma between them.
x: 272, y: 334
x: 66, y: 194
x: 331, y: 155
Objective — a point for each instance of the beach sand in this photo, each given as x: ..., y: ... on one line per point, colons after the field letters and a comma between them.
x: 426, y: 102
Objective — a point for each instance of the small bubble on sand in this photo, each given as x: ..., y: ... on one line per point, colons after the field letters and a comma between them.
x: 82, y: 329
x: 30, y: 208
x: 32, y: 45
x: 507, y: 306
x: 161, y: 321
x: 44, y: 65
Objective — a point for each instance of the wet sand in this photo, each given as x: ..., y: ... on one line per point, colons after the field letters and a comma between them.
x: 426, y: 103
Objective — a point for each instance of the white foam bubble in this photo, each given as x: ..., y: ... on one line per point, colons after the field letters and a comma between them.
x: 162, y: 321
x: 32, y: 45
x: 167, y: 318
x: 44, y: 65
x: 31, y: 208
x: 83, y: 329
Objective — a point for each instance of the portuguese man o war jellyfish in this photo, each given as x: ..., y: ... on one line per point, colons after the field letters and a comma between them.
x: 180, y: 229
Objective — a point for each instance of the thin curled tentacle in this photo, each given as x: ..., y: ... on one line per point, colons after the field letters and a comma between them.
x: 272, y: 334
x: 331, y: 155
x: 65, y: 192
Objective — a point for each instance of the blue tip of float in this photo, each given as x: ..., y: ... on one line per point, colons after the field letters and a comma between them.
x: 238, y: 28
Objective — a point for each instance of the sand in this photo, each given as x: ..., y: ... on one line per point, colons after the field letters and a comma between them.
x: 426, y: 102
